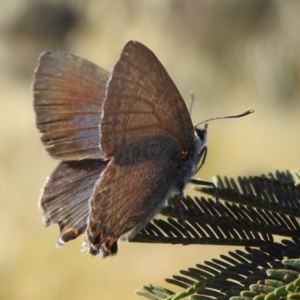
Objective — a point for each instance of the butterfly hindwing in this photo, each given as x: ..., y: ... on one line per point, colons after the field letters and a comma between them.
x: 66, y: 194
x: 131, y: 190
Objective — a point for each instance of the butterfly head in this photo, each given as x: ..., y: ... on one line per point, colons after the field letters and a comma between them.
x: 201, y: 149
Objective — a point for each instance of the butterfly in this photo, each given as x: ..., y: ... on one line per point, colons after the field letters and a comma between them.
x: 125, y: 141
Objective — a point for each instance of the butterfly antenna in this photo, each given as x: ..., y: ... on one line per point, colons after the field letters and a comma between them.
x: 248, y: 112
x: 192, y: 98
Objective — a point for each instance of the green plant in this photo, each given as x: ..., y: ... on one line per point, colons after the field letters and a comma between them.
x: 254, y: 211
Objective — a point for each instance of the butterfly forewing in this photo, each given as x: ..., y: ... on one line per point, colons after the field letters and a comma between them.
x: 68, y: 96
x: 142, y: 101
x: 65, y: 197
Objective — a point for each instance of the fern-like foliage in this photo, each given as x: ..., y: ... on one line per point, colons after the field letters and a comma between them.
x: 254, y: 210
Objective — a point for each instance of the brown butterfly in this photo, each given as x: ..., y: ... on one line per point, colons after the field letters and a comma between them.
x: 125, y: 140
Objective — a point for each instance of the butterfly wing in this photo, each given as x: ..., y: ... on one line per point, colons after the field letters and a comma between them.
x: 130, y: 191
x: 68, y: 96
x: 145, y: 130
x: 142, y: 100
x: 65, y: 197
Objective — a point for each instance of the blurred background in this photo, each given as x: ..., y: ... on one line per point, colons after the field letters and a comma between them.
x: 234, y: 56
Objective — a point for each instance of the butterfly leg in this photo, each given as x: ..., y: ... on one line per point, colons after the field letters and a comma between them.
x: 179, y: 207
x: 208, y: 183
x: 203, y: 154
